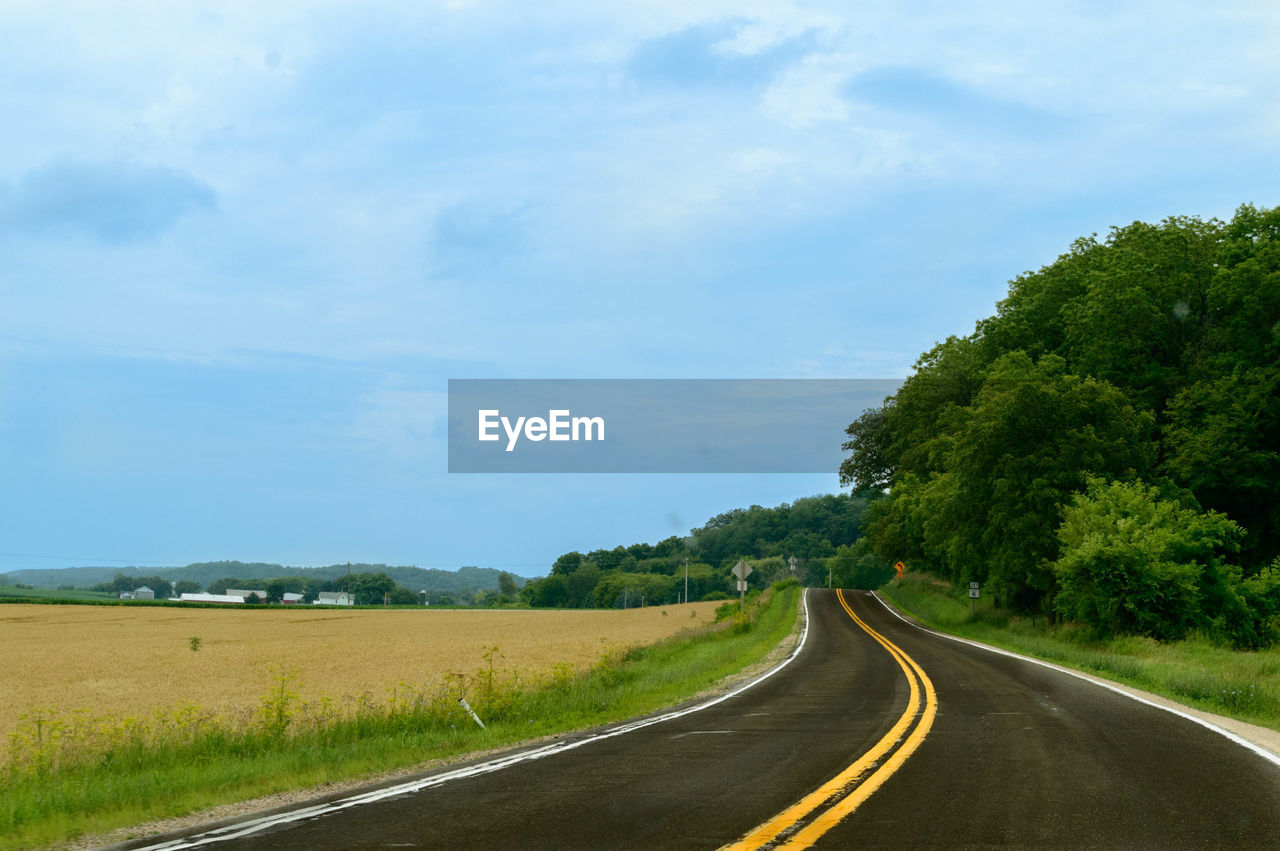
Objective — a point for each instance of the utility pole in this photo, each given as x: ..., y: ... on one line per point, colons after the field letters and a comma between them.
x: 686, y: 580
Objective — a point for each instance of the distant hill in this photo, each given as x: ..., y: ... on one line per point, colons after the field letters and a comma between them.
x: 463, y: 580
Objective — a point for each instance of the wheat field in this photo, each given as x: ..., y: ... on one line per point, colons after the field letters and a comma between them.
x: 118, y: 662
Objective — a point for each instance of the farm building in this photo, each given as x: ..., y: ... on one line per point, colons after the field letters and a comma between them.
x: 242, y: 593
x: 211, y: 598
x: 143, y: 593
x: 334, y: 598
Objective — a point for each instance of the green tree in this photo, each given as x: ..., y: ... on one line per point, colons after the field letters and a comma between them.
x: 1134, y: 562
x: 507, y: 585
x: 581, y: 585
x: 401, y: 596
x: 1009, y: 461
x: 550, y: 592
x: 369, y: 589
x: 275, y: 591
x: 1223, y: 442
x: 567, y: 563
x: 858, y: 566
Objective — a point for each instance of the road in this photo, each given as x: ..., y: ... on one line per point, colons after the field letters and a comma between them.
x: 876, y: 734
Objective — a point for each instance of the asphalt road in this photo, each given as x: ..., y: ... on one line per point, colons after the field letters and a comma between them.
x: 889, y: 736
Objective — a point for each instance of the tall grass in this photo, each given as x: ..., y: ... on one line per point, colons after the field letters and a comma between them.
x: 70, y: 775
x: 1240, y: 684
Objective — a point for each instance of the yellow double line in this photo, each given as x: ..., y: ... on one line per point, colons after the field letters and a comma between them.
x: 797, y: 827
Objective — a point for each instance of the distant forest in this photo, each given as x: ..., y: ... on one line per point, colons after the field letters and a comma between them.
x: 466, y: 585
x: 1106, y: 447
x: 821, y: 532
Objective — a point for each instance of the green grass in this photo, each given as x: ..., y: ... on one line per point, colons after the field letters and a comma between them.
x: 14, y: 593
x: 69, y: 778
x: 1197, y: 672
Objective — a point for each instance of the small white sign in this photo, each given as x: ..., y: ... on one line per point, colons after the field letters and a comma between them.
x: 973, y: 592
x: 742, y: 570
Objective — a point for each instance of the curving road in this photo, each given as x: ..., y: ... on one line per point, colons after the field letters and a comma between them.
x: 876, y: 734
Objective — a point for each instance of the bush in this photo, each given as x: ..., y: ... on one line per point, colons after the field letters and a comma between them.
x: 1135, y: 563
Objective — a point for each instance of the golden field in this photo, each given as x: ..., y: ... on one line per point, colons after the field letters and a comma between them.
x: 119, y: 661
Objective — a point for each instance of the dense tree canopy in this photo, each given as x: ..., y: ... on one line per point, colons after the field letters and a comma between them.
x: 1150, y: 357
x: 810, y: 530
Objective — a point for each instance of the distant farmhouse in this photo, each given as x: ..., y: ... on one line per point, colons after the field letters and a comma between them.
x: 211, y: 598
x: 238, y: 595
x: 143, y: 593
x: 334, y: 598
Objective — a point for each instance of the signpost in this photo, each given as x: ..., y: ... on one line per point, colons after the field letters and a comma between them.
x: 974, y: 589
x: 792, y: 561
x: 742, y: 570
x: 899, y: 568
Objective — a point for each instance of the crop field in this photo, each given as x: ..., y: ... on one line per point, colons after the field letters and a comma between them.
x: 121, y: 662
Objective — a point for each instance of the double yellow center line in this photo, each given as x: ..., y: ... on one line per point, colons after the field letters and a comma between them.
x: 801, y: 824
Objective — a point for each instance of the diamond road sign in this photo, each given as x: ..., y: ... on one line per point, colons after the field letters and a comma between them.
x: 742, y: 570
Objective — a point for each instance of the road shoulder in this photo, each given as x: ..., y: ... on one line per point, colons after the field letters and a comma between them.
x: 1261, y: 737
x: 297, y: 798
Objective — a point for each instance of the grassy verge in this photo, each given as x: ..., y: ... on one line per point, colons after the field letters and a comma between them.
x: 72, y: 776
x: 1196, y: 672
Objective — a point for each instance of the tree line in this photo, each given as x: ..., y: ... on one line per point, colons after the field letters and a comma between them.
x: 1106, y: 447
x: 367, y: 588
x: 820, y: 532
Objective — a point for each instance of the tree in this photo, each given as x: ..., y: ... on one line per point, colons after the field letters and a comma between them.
x: 1134, y: 562
x: 507, y: 584
x: 859, y: 567
x: 370, y: 589
x: 581, y: 586
x: 275, y: 591
x: 1007, y: 462
x: 186, y: 586
x: 401, y: 596
x: 868, y: 464
x: 567, y: 563
x: 551, y: 592
x: 1223, y: 442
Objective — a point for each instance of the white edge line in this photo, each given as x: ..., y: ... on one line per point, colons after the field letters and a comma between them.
x: 1097, y: 681
x: 241, y: 829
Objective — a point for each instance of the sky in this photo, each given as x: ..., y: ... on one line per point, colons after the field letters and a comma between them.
x: 244, y: 247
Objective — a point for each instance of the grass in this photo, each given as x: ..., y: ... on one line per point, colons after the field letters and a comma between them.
x: 119, y: 662
x: 68, y: 778
x: 1196, y: 672
x: 28, y: 594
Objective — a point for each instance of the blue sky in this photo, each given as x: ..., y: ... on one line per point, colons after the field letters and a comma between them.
x: 243, y: 247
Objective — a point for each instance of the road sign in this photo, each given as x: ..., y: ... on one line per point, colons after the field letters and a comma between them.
x: 973, y: 586
x: 792, y: 561
x: 742, y: 570
x: 899, y: 567
x: 973, y: 592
